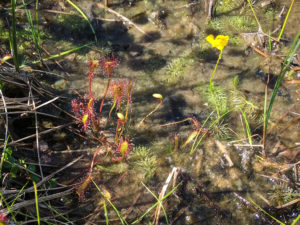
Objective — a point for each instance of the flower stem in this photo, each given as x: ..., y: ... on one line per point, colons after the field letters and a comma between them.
x: 211, y: 84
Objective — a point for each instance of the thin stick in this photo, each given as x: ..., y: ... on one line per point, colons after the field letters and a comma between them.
x: 224, y: 151
x: 125, y: 19
x: 259, y: 51
x: 292, y: 122
x: 43, y: 132
x: 36, y: 130
x: 32, y: 202
x: 46, y: 103
x: 174, y: 173
x: 288, y: 204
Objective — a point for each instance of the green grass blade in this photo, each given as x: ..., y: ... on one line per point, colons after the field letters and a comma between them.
x: 155, y: 204
x: 36, y: 203
x: 13, y: 36
x: 123, y: 221
x: 58, y: 213
x: 254, y: 14
x: 63, y: 53
x: 158, y: 201
x: 270, y: 41
x: 84, y: 16
x: 294, y: 47
x: 198, y: 142
x: 265, y: 212
x: 32, y: 217
x: 19, y: 194
x: 296, y: 220
x: 105, y: 213
x: 37, y: 22
x: 248, y: 130
x: 34, y: 31
x: 8, y: 208
x: 285, y: 20
x: 265, y: 114
x: 2, y: 157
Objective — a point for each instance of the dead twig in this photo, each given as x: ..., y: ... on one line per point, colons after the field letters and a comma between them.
x: 224, y: 151
x: 32, y: 202
x: 288, y: 204
x: 123, y: 18
x: 173, y: 174
x: 45, y: 103
x: 43, y: 132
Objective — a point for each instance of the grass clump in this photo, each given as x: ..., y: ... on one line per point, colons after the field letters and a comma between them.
x: 144, y: 161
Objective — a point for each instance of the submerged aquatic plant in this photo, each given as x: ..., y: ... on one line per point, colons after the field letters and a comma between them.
x: 144, y: 161
x: 219, y: 42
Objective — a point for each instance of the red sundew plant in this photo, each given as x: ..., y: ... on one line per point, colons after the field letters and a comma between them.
x: 108, y: 65
x: 122, y: 150
x: 84, y: 111
x: 118, y: 92
x: 2, y: 219
x: 93, y: 65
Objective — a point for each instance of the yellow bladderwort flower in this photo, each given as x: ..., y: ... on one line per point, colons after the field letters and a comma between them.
x: 219, y: 42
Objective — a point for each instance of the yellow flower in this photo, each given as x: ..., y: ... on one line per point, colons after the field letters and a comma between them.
x: 219, y: 42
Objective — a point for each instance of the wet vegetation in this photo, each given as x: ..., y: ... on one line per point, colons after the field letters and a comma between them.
x: 149, y: 112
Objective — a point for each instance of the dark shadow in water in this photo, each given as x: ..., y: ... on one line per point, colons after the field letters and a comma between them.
x: 173, y: 108
x: 155, y: 62
x: 236, y: 52
x: 205, y: 55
